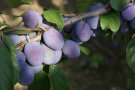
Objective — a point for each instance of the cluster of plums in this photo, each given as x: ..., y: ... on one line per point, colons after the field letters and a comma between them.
x: 53, y: 44
x: 127, y: 17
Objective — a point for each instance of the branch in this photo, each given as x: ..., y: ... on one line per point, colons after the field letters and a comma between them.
x: 98, y: 12
x: 73, y: 20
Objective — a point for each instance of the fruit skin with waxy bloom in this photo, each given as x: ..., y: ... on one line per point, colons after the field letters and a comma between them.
x: 34, y: 53
x: 51, y: 56
x: 71, y: 49
x: 128, y: 12
x: 53, y: 39
x: 32, y: 19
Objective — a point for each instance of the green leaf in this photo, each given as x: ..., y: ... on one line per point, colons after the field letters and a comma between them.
x: 129, y: 56
x: 41, y: 82
x: 130, y: 53
x: 118, y: 4
x: 110, y: 21
x: 19, y: 32
x: 26, y: 1
x: 12, y: 49
x: 8, y: 73
x: 58, y: 78
x: 131, y: 83
x: 54, y: 16
x: 131, y: 43
x: 96, y: 61
x: 85, y: 50
x: 13, y: 3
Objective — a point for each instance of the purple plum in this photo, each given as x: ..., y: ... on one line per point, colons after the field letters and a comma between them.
x: 21, y: 59
x: 128, y: 12
x: 26, y: 76
x: 51, y: 56
x: 71, y: 49
x: 93, y: 22
x: 82, y: 31
x: 53, y: 39
x: 32, y: 19
x: 34, y: 53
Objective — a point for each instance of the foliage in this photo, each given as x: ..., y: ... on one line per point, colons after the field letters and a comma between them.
x: 53, y: 78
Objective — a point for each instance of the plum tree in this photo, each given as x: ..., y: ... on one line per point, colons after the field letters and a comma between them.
x: 34, y: 54
x: 32, y: 18
x: 53, y: 39
x: 51, y: 56
x: 26, y: 76
x: 71, y: 49
x: 93, y: 22
x: 21, y: 59
x: 128, y: 12
x: 82, y: 31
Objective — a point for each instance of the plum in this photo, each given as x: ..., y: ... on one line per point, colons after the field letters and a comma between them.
x: 82, y: 31
x: 76, y: 39
x: 22, y: 38
x: 32, y: 18
x: 128, y: 12
x: 14, y: 38
x: 93, y: 22
x: 21, y: 59
x: 71, y: 49
x: 51, y: 56
x: 132, y: 23
x: 34, y: 54
x: 95, y: 6
x: 124, y: 27
x: 44, y: 26
x: 53, y: 39
x: 36, y: 69
x: 26, y: 76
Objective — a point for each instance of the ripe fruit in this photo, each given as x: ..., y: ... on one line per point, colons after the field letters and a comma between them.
x: 26, y: 76
x: 22, y: 38
x: 51, y: 56
x: 82, y: 31
x: 124, y: 27
x: 128, y: 12
x: 32, y: 19
x: 133, y: 24
x: 53, y: 39
x: 14, y: 38
x: 71, y: 49
x: 21, y: 59
x: 93, y: 22
x: 36, y: 69
x: 34, y: 53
